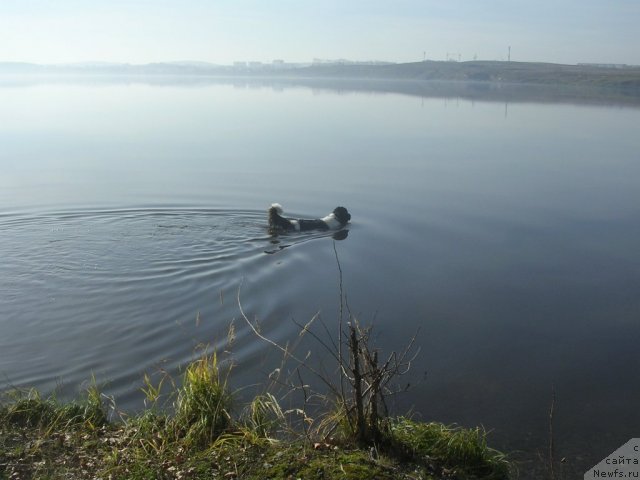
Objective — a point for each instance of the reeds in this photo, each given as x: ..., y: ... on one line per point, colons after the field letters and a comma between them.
x: 453, y: 447
x: 264, y: 416
x: 27, y: 408
x: 203, y: 402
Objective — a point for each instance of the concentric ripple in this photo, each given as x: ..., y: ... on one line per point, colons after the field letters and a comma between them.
x: 118, y: 293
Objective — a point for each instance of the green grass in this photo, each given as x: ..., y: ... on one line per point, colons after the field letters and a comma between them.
x: 27, y: 408
x: 463, y: 451
x: 41, y: 437
x: 264, y: 416
x: 204, y: 402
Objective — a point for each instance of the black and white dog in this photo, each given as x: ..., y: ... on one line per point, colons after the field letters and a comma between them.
x: 334, y: 221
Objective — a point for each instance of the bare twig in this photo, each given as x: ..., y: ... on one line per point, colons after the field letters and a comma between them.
x: 357, y: 384
x: 305, y: 329
x: 304, y: 405
x: 552, y: 474
x: 288, y: 353
x: 340, y: 321
x: 364, y: 379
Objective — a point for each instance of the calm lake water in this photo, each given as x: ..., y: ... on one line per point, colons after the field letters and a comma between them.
x: 509, y: 234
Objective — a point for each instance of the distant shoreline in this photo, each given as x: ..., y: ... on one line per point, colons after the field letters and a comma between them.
x: 602, y: 76
x: 492, y: 81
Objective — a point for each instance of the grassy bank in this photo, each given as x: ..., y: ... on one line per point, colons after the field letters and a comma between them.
x: 200, y: 437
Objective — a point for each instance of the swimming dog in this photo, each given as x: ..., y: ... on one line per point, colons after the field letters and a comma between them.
x: 334, y: 221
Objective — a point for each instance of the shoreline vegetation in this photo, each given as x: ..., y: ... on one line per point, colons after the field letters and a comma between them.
x: 508, y: 81
x: 201, y: 437
x: 336, y: 424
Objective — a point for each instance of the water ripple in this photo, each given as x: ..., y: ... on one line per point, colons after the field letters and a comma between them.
x: 117, y: 292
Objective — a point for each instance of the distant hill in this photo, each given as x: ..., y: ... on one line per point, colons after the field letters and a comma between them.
x: 614, y: 77
x: 482, y: 71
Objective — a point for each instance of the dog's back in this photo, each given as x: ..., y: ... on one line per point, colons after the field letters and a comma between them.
x: 334, y: 221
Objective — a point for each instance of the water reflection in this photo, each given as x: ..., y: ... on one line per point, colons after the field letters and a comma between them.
x: 452, y: 90
x: 298, y: 239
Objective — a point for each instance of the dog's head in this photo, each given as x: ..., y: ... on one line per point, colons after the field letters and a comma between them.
x: 342, y: 215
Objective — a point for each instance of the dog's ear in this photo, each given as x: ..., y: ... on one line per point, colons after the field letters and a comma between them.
x: 342, y: 214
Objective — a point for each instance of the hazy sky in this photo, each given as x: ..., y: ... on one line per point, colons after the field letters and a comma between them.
x: 222, y: 31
